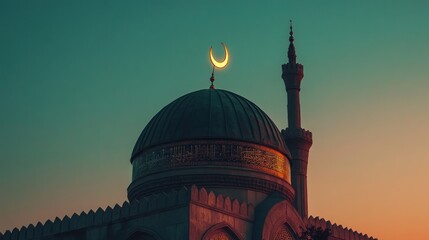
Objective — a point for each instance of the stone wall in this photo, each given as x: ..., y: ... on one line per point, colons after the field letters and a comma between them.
x: 110, y: 222
x: 166, y: 216
x: 337, y: 231
x: 190, y: 213
x: 210, y: 212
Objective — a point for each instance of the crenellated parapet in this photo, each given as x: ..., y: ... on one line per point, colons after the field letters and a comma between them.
x: 297, y: 133
x: 218, y: 202
x: 296, y: 67
x: 292, y: 74
x: 100, y: 217
x: 337, y: 231
x: 128, y: 211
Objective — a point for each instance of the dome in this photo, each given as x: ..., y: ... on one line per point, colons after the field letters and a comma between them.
x: 210, y: 114
x: 211, y: 138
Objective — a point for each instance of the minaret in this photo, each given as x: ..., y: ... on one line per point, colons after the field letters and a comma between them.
x: 297, y: 139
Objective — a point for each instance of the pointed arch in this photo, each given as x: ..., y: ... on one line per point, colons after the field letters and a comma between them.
x: 276, y: 217
x: 282, y: 232
x: 221, y: 231
x: 141, y: 236
x: 139, y: 233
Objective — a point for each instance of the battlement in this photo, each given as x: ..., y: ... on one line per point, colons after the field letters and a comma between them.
x: 135, y: 209
x: 221, y: 203
x: 291, y: 133
x: 100, y: 217
x: 337, y: 231
x: 288, y: 67
x: 292, y: 75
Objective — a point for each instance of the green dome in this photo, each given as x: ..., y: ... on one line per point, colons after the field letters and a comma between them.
x: 210, y: 114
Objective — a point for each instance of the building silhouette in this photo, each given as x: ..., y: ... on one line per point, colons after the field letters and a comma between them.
x: 211, y: 165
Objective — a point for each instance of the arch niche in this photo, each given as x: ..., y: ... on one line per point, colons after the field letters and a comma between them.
x: 221, y: 231
x: 283, y: 232
x: 140, y: 236
x: 277, y: 220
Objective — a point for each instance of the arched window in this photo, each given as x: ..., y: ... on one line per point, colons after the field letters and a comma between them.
x: 220, y: 232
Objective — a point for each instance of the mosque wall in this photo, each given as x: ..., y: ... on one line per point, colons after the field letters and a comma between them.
x: 185, y: 214
x: 190, y: 213
x: 338, y: 232
x: 162, y: 216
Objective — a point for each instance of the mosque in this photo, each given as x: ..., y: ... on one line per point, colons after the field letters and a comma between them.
x: 210, y: 165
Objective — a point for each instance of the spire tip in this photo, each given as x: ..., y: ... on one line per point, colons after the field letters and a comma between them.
x: 291, y: 51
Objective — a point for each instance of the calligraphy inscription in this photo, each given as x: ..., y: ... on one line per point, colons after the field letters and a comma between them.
x: 213, y: 154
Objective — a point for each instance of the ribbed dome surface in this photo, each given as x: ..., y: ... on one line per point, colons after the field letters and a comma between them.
x: 210, y: 114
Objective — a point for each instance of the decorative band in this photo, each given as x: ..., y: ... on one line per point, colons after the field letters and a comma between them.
x: 219, y: 153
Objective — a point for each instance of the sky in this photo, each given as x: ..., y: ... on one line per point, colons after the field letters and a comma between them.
x: 79, y: 80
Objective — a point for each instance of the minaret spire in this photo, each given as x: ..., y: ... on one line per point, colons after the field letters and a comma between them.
x: 291, y: 52
x: 297, y: 139
x: 293, y: 73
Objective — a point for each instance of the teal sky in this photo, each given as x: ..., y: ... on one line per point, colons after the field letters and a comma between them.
x: 79, y: 80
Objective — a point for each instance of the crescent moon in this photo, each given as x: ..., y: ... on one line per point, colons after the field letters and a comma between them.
x: 225, y: 60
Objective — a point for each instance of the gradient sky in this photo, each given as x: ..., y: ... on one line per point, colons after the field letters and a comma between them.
x: 79, y: 80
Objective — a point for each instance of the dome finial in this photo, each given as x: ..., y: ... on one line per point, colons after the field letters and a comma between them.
x: 291, y: 52
x: 212, y: 79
